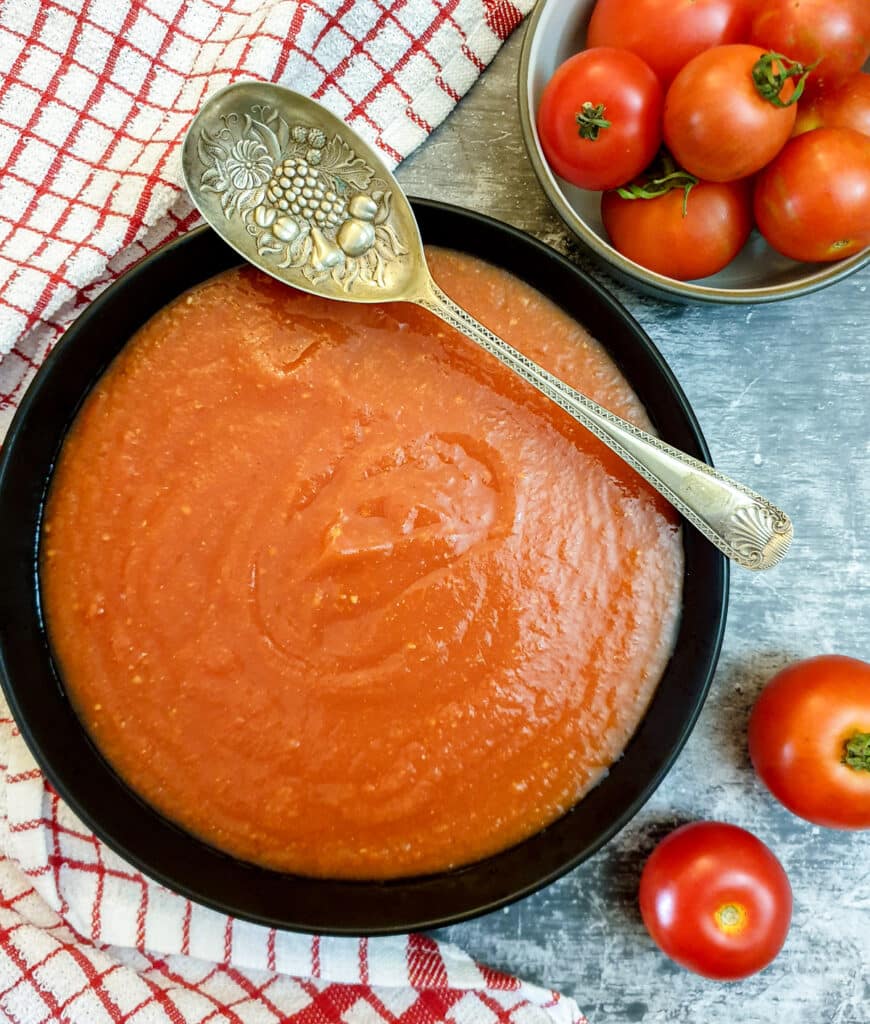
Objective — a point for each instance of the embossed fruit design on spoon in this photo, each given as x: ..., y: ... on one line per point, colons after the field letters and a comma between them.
x: 302, y: 197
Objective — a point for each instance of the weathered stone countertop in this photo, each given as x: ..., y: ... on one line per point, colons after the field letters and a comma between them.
x: 782, y: 392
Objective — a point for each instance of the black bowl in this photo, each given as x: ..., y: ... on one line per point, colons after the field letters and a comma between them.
x: 83, y: 778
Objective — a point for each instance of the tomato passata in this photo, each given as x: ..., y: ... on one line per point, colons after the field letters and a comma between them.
x: 813, y: 201
x: 668, y: 33
x: 716, y: 900
x: 809, y: 740
x: 729, y: 111
x: 684, y: 236
x: 834, y: 33
x: 600, y: 118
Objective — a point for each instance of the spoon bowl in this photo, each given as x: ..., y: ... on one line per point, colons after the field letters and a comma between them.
x: 301, y: 196
x: 296, y: 193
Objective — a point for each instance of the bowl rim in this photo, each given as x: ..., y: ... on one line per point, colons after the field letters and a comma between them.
x: 162, y: 850
x: 626, y: 269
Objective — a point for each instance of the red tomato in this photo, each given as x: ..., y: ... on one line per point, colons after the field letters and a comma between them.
x: 836, y: 103
x: 834, y: 32
x: 813, y: 201
x: 658, y: 235
x: 668, y: 33
x: 809, y: 739
x: 600, y: 118
x: 716, y: 900
x: 717, y: 123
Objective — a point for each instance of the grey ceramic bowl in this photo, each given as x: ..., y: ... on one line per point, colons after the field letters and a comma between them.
x: 556, y: 31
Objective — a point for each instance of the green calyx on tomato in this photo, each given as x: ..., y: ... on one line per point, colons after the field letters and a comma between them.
x: 809, y: 732
x: 856, y: 752
x: 590, y: 120
x: 615, y: 99
x: 772, y: 71
x: 660, y: 179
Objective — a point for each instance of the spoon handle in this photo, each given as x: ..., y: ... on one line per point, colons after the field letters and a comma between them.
x: 742, y: 524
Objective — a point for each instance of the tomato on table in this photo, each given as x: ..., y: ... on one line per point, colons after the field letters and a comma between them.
x: 813, y: 201
x: 686, y: 232
x: 730, y: 110
x: 600, y: 118
x: 836, y: 103
x: 668, y: 33
x: 834, y: 33
x: 809, y: 740
x: 716, y: 900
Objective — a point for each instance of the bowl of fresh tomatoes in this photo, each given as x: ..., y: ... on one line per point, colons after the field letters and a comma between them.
x: 710, y: 150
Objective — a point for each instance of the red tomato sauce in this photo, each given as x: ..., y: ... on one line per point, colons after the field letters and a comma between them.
x: 339, y: 594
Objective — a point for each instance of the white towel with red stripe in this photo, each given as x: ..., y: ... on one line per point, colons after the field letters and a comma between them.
x: 86, y: 939
x: 95, y: 97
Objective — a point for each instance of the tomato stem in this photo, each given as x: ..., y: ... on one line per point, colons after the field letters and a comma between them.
x: 665, y: 176
x: 856, y: 752
x: 772, y: 71
x: 590, y: 120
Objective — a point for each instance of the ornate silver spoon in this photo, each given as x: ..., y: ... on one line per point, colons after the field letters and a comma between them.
x: 302, y: 197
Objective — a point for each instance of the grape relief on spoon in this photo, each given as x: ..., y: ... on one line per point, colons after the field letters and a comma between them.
x: 309, y: 201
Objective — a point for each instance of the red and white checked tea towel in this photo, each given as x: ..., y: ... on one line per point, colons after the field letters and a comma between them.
x: 86, y: 939
x: 95, y: 96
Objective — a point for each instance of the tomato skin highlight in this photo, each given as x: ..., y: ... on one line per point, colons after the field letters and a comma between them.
x: 836, y: 103
x: 797, y: 731
x: 668, y: 33
x: 656, y: 234
x: 716, y: 123
x: 812, y: 202
x: 836, y: 33
x: 716, y: 900
x: 632, y: 99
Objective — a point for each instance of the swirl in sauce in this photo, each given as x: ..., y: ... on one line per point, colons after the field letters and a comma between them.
x: 338, y: 593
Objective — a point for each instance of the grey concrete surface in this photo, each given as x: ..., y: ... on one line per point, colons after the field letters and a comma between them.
x: 783, y: 395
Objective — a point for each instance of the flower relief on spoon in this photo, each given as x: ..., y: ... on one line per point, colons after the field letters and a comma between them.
x: 309, y: 201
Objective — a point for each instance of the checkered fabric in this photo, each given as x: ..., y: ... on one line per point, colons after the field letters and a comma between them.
x: 86, y: 939
x: 95, y: 97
